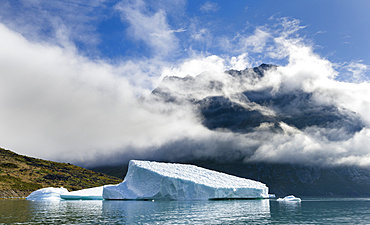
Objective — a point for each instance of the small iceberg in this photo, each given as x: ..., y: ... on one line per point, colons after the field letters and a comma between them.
x: 169, y: 181
x: 47, y: 194
x: 95, y: 193
x: 57, y: 194
x: 290, y: 198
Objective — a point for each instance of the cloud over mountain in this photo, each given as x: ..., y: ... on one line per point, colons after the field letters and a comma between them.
x: 275, y: 114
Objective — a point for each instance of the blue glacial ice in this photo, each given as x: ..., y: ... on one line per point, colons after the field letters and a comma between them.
x: 84, y: 194
x: 169, y: 181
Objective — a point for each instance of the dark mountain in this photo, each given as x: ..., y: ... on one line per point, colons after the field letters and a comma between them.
x: 246, y: 110
x: 237, y: 103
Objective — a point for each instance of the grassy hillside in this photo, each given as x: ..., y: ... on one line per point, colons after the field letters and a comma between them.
x: 20, y: 175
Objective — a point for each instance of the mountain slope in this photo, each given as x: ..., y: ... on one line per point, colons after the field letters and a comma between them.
x: 20, y: 175
x: 246, y: 104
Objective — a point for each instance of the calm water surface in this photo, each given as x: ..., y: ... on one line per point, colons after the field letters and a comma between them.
x: 309, y: 211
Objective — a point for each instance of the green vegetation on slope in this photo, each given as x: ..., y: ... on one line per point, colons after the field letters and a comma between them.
x: 20, y: 175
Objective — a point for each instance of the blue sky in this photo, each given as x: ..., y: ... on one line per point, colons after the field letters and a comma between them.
x: 337, y: 29
x: 74, y: 73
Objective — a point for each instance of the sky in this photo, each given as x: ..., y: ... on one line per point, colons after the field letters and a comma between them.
x: 73, y: 73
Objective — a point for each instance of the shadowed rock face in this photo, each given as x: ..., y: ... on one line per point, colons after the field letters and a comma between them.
x: 294, y: 109
x: 219, y: 111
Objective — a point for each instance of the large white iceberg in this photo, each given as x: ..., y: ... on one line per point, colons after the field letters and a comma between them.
x: 84, y: 194
x: 47, y: 194
x: 168, y: 181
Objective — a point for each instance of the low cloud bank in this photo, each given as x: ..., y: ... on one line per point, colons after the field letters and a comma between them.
x: 62, y: 106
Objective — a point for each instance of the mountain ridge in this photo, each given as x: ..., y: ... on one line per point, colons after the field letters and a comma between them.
x: 296, y: 108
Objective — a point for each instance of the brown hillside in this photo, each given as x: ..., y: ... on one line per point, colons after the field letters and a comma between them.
x: 20, y: 175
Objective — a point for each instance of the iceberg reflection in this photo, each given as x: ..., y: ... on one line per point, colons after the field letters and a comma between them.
x: 187, y: 212
x: 65, y: 212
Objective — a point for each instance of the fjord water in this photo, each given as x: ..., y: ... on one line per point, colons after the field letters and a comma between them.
x: 309, y: 211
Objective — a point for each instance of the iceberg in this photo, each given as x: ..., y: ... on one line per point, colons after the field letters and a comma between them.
x: 47, y: 194
x: 84, y: 194
x: 169, y: 181
x: 290, y: 198
x: 56, y: 194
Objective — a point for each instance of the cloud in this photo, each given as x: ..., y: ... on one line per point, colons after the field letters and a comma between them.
x: 256, y: 42
x: 195, y: 66
x: 150, y: 27
x: 311, y: 148
x: 209, y: 7
x: 57, y: 22
x: 357, y: 71
x: 62, y: 106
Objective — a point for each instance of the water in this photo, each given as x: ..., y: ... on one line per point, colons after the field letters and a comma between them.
x: 309, y: 211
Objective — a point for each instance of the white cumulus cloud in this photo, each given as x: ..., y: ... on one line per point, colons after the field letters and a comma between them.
x: 150, y: 27
x: 209, y: 7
